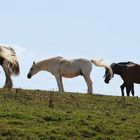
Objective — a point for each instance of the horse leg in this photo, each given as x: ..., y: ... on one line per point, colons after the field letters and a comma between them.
x: 132, y: 90
x: 8, y: 82
x: 59, y: 83
x: 122, y: 88
x: 128, y: 89
x: 89, y: 83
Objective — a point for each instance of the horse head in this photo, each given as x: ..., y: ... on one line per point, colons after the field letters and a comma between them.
x: 117, y: 68
x: 33, y: 71
x: 108, y: 75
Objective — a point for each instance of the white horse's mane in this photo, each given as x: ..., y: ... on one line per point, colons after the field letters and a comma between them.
x: 8, y: 53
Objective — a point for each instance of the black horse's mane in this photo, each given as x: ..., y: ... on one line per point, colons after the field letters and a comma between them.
x: 126, y: 63
x: 123, y: 63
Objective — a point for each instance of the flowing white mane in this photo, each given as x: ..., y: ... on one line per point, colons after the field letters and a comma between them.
x: 9, y: 64
x: 8, y: 53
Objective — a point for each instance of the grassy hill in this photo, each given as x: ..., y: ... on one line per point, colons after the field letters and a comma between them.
x: 44, y: 115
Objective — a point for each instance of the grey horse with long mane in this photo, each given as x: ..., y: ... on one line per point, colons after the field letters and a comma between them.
x: 9, y: 63
x: 129, y: 72
x: 60, y: 67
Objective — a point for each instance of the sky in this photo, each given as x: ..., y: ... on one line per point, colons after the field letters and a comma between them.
x: 92, y: 29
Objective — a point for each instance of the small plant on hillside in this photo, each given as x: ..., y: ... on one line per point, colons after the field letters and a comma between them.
x: 51, y: 104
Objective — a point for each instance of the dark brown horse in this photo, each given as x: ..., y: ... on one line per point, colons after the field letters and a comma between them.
x: 129, y: 72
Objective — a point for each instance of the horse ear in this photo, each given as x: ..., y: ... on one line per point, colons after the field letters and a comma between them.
x: 34, y: 63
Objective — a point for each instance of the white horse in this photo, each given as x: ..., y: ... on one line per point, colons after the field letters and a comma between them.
x: 60, y: 67
x: 8, y: 61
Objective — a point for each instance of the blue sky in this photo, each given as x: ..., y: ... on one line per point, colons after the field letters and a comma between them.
x: 39, y: 29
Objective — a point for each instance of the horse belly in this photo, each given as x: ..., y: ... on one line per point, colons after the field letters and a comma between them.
x: 136, y: 79
x: 132, y: 75
x: 70, y: 69
x: 70, y: 74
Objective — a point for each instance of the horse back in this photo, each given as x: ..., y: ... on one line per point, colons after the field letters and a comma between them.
x: 75, y: 67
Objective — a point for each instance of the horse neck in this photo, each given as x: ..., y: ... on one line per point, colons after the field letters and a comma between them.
x: 42, y: 65
x: 117, y: 70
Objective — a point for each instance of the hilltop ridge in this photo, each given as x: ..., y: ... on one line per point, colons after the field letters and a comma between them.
x: 47, y: 115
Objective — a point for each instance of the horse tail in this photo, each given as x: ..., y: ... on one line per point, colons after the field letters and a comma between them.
x: 8, y: 54
x: 100, y: 63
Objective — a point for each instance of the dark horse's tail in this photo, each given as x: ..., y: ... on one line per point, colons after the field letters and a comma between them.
x: 9, y: 55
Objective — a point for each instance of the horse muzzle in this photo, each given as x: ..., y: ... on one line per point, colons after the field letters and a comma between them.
x: 29, y: 76
x: 106, y: 81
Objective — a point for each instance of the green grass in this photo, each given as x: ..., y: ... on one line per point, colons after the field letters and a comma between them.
x: 42, y: 115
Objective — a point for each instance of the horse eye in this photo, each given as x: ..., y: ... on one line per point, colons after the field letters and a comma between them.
x: 31, y: 68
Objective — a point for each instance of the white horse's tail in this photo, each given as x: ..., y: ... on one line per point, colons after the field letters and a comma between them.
x: 7, y: 53
x: 100, y: 63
